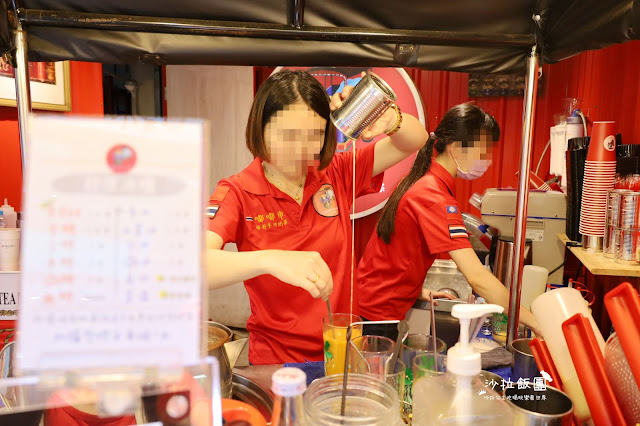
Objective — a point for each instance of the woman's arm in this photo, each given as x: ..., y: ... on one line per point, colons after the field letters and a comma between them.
x: 487, y: 285
x: 304, y: 269
x: 391, y: 150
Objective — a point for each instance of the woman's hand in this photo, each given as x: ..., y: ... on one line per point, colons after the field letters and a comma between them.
x: 436, y: 295
x: 304, y: 269
x: 382, y: 125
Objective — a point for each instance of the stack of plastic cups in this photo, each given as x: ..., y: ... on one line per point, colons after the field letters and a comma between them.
x: 612, y: 231
x: 628, y: 231
x: 599, y: 177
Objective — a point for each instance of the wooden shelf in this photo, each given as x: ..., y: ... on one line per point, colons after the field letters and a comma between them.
x: 597, y: 264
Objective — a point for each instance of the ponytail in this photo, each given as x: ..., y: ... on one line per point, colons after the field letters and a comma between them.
x: 387, y: 222
x: 461, y: 123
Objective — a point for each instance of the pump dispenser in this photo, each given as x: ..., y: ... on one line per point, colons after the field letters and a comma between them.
x: 461, y: 397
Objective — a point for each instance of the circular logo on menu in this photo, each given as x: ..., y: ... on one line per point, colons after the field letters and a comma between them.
x: 334, y: 79
x: 121, y: 158
x: 610, y: 143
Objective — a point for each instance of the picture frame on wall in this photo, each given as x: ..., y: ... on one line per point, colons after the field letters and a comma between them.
x: 50, y: 85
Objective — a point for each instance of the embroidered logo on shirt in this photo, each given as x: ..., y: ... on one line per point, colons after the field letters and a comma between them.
x: 212, y: 210
x: 457, y: 231
x: 268, y: 220
x: 324, y: 201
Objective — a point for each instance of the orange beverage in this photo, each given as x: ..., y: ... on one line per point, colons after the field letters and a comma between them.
x: 335, y: 340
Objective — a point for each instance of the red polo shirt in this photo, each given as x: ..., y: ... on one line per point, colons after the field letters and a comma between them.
x: 428, y: 222
x: 286, y: 322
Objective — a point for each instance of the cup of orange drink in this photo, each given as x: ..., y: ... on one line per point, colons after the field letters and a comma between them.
x: 334, y: 333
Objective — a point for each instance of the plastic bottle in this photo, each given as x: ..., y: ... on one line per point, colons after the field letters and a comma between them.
x: 288, y: 384
x: 3, y: 224
x: 461, y: 397
x: 10, y: 216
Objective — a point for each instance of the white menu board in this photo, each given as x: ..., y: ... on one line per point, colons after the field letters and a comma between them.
x: 112, y: 244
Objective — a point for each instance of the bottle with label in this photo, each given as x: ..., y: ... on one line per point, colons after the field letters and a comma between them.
x: 10, y: 216
x: 288, y: 384
x: 460, y: 396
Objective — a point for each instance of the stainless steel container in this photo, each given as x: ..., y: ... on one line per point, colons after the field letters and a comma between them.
x: 548, y: 407
x: 592, y: 243
x: 523, y: 364
x: 226, y: 351
x: 371, y: 97
x: 503, y: 263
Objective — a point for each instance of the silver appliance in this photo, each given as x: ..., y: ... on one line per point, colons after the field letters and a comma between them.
x: 546, y: 219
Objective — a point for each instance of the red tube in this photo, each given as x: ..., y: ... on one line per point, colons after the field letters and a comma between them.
x: 623, y: 306
x: 589, y: 363
x: 544, y: 361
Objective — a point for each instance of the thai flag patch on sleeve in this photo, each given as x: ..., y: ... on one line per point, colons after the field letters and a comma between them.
x: 212, y: 210
x: 458, y: 231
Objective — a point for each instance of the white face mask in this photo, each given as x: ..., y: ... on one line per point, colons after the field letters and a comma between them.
x: 478, y: 168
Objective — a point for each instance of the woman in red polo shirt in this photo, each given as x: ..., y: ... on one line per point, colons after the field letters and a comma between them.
x: 422, y: 219
x: 288, y: 213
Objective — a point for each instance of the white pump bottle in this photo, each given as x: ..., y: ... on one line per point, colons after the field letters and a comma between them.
x: 461, y: 397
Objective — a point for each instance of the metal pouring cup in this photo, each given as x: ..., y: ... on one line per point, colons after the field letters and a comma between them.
x: 371, y: 97
x: 549, y: 407
x: 523, y: 364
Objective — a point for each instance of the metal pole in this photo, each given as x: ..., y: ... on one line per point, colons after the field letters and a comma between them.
x: 23, y: 92
x: 298, y: 13
x: 523, y: 195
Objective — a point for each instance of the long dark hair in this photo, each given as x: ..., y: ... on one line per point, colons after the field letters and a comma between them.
x: 461, y: 123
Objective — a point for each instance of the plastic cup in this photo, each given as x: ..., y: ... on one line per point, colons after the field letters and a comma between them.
x: 424, y: 366
x: 603, y: 142
x: 334, y: 333
x: 9, y: 249
x: 369, y: 354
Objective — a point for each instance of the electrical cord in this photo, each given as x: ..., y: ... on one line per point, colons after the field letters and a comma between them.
x: 542, y: 156
x: 558, y: 268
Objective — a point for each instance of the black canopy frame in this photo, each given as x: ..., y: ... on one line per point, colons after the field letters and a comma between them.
x: 462, y: 35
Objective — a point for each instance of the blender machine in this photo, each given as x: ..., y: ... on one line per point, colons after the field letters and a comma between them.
x: 546, y: 218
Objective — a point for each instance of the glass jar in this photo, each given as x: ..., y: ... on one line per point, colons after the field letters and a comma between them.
x: 369, y: 402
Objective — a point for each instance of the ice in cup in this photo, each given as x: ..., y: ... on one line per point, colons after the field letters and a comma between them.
x: 334, y: 333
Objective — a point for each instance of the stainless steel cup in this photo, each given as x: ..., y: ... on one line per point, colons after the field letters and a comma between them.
x: 523, y: 363
x: 371, y: 97
x: 531, y: 407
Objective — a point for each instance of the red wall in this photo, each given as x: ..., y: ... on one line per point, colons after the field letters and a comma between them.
x: 86, y: 98
x: 606, y: 80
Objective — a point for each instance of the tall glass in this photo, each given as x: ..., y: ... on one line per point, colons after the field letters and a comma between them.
x: 334, y: 333
x: 369, y: 354
x: 414, y: 345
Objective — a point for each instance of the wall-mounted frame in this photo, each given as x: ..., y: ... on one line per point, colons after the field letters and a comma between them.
x: 50, y: 85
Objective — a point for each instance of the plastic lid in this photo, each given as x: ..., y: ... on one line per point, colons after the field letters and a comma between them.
x: 462, y: 359
x: 288, y: 382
